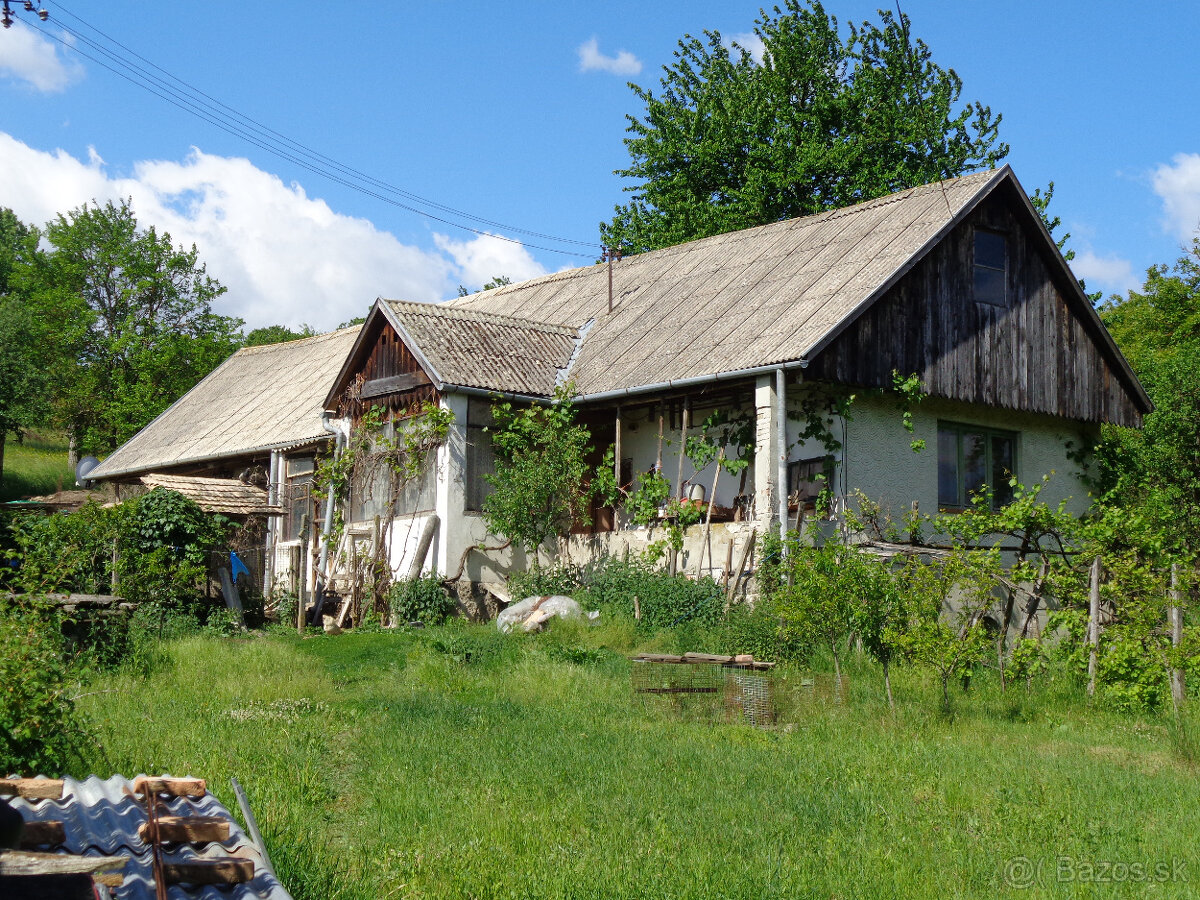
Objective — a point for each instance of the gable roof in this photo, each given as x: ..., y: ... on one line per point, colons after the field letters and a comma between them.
x: 475, y: 348
x: 765, y: 296
x: 261, y: 398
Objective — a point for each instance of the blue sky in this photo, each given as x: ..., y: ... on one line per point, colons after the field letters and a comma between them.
x: 515, y: 114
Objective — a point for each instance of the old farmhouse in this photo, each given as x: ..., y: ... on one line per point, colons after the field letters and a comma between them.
x: 958, y: 283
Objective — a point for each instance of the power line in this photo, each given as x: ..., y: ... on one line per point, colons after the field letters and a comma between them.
x: 201, y: 105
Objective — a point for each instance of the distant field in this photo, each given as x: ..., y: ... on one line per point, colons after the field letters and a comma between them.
x: 35, y: 467
x: 457, y: 763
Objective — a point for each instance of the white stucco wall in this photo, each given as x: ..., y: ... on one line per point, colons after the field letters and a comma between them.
x: 877, y: 458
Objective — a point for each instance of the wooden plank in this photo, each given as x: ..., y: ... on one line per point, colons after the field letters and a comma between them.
x: 225, y: 870
x: 39, y: 834
x: 393, y: 384
x: 706, y: 658
x: 32, y: 788
x: 25, y: 862
x: 176, y: 787
x: 188, y: 829
x: 657, y: 658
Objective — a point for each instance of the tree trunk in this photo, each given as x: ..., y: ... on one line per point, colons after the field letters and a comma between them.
x: 1175, y: 614
x: 72, y: 452
x: 837, y: 672
x: 3, y: 438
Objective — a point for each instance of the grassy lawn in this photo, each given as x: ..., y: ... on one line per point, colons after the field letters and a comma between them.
x: 35, y: 467
x: 456, y: 763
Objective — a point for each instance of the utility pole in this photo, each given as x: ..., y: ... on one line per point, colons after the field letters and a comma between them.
x: 6, y: 13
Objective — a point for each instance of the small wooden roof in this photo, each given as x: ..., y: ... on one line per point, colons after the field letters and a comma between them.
x: 218, y: 495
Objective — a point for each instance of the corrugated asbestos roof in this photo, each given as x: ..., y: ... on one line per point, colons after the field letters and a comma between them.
x: 219, y: 495
x: 735, y: 301
x: 473, y: 348
x: 259, y: 398
x: 101, y: 818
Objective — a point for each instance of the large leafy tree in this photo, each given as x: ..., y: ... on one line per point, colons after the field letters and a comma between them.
x: 821, y: 120
x: 1156, y: 470
x: 22, y: 359
x: 130, y: 316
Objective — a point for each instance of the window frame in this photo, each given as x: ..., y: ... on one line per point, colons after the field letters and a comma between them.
x: 976, y: 265
x: 959, y: 429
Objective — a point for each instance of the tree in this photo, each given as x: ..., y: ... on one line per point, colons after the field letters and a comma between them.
x: 540, y: 487
x: 497, y: 281
x: 1156, y: 469
x: 22, y: 369
x: 129, y: 319
x: 277, y: 334
x: 820, y: 122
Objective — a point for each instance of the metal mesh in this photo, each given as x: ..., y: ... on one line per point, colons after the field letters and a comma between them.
x: 705, y: 691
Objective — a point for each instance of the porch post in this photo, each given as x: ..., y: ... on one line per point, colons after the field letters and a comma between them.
x: 766, y: 451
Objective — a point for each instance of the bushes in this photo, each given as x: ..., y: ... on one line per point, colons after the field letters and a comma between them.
x: 420, y: 600
x: 39, y: 729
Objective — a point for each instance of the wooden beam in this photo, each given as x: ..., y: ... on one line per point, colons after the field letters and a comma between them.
x: 226, y: 870
x: 39, y: 834
x: 393, y: 384
x: 23, y: 862
x: 188, y: 829
x: 176, y: 787
x: 32, y: 788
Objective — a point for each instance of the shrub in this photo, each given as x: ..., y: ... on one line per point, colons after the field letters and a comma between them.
x: 420, y: 600
x: 39, y: 730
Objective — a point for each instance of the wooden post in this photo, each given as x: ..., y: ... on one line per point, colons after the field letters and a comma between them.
x: 314, y: 552
x: 301, y: 578
x: 1175, y: 614
x: 114, y: 581
x: 708, y: 518
x: 728, y: 570
x: 683, y: 430
x: 617, y: 450
x: 741, y: 567
x: 637, y: 608
x: 1093, y: 636
x: 658, y: 458
x: 418, y: 562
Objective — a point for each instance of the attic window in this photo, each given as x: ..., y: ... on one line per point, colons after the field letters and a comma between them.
x: 991, y: 258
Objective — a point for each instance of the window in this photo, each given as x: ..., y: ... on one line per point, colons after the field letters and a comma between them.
x: 371, y: 491
x: 991, y: 257
x: 481, y: 459
x: 973, y: 459
x: 808, y: 477
x: 297, y: 495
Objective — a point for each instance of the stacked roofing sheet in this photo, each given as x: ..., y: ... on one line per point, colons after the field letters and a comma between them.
x: 101, y: 817
x: 258, y: 399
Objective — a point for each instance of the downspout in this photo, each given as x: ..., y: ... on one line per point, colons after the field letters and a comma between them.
x: 781, y: 437
x: 273, y: 523
x: 327, y: 525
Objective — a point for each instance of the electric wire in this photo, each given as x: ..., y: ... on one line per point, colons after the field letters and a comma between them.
x: 259, y: 135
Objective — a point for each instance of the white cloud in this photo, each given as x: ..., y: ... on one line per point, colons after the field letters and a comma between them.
x: 750, y: 42
x: 285, y: 257
x: 1178, y: 184
x: 25, y: 55
x: 1111, y: 274
x: 482, y: 258
x: 592, y: 60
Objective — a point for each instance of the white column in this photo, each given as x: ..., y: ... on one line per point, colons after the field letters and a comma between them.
x: 452, y: 465
x: 766, y: 452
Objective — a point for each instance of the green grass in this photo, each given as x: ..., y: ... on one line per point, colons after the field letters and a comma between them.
x: 35, y: 467
x: 458, y: 763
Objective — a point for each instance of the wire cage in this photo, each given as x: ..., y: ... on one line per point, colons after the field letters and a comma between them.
x: 706, y: 686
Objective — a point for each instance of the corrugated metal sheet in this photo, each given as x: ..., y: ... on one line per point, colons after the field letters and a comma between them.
x: 101, y: 818
x: 259, y: 398
x: 734, y: 301
x: 221, y: 495
x: 470, y: 348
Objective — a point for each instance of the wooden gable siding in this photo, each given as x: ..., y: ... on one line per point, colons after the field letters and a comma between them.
x: 385, y: 363
x: 1037, y: 354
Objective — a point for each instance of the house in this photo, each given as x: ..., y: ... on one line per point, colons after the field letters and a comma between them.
x: 958, y: 283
